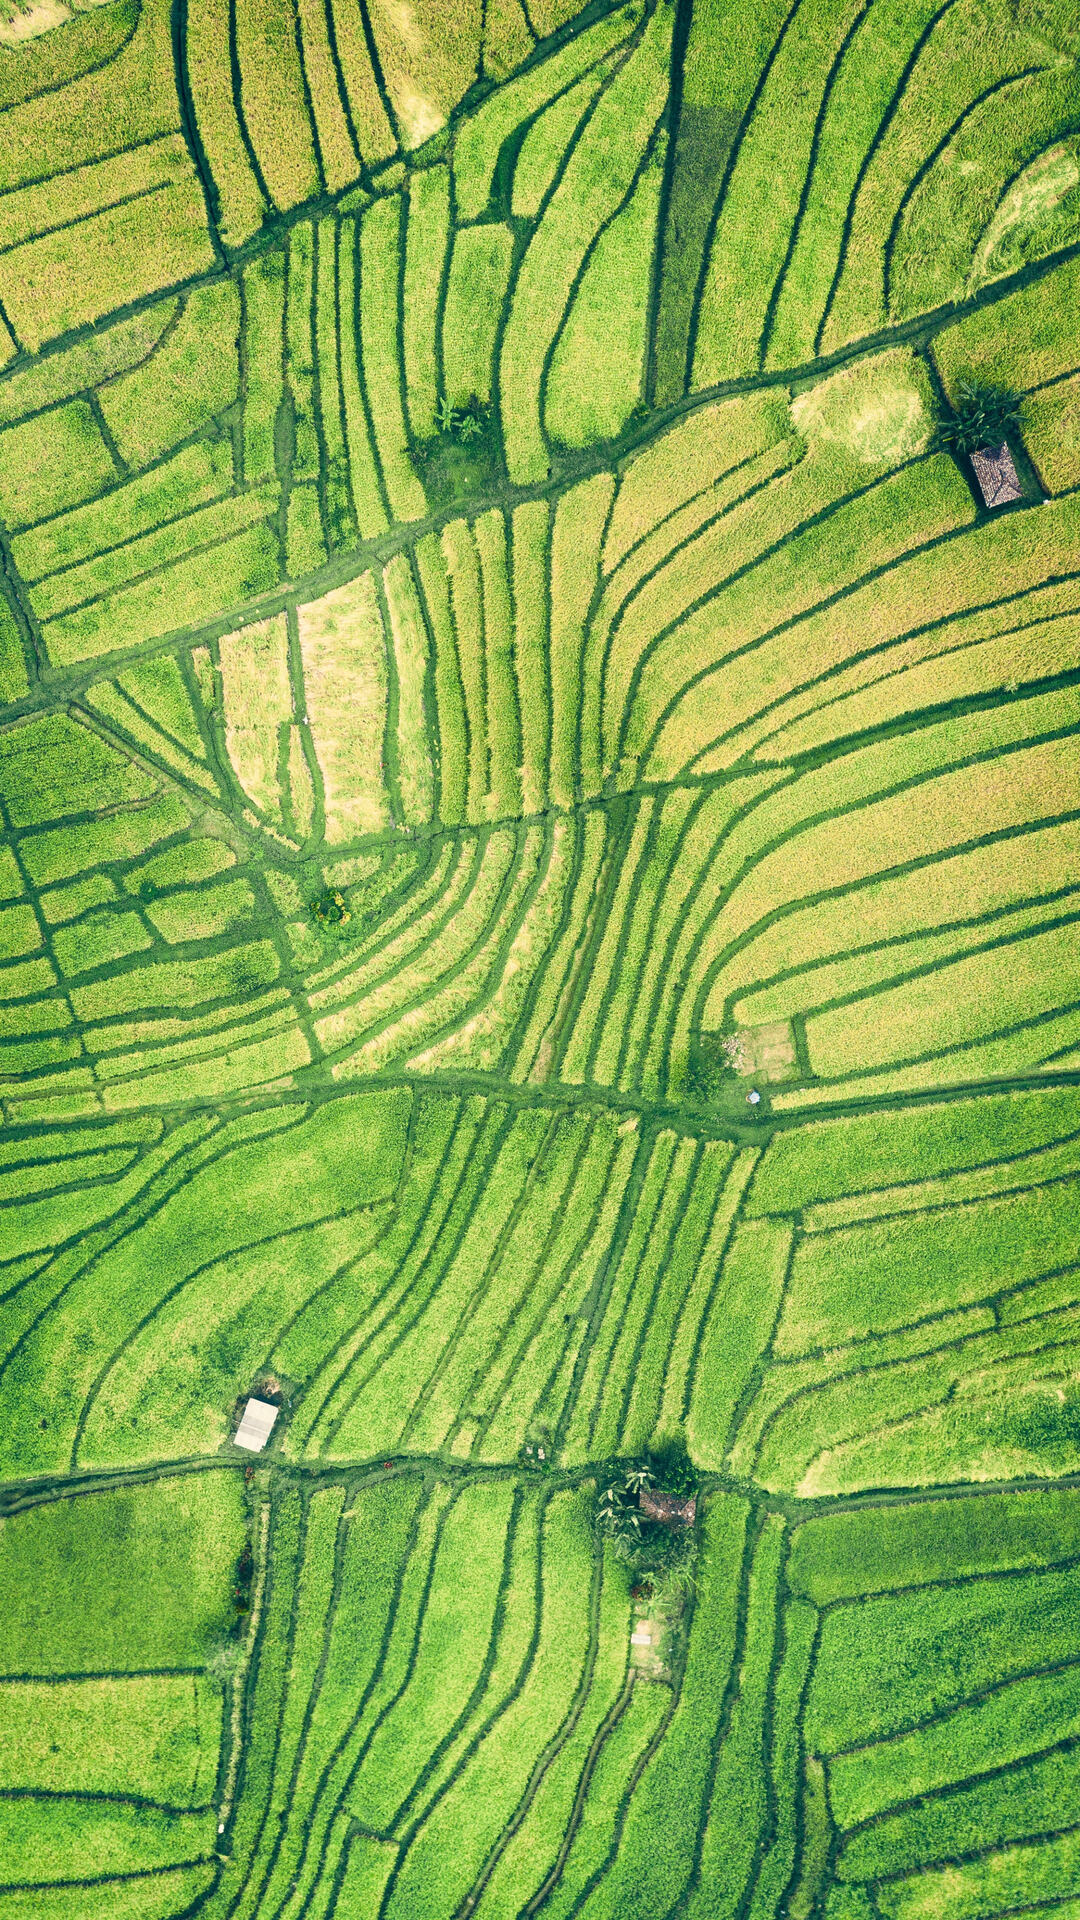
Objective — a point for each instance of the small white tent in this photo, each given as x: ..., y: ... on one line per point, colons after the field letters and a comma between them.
x: 256, y: 1426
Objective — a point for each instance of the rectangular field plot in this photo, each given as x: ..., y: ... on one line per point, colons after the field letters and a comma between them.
x: 944, y: 1709
x: 914, y: 1267
x: 495, y: 1703
x: 81, y: 1838
x: 154, y: 1736
x: 117, y: 229
x: 437, y: 1279
x: 949, y: 1352
x: 73, y: 1578
x: 111, y: 1728
x: 153, y: 1896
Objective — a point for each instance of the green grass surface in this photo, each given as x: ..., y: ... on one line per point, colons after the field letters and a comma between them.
x: 72, y: 1577
x: 539, y: 883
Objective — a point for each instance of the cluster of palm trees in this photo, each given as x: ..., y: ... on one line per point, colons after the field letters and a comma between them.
x: 656, y: 1552
x: 462, y: 423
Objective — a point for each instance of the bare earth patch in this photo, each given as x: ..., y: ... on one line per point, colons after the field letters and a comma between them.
x: 652, y: 1632
x: 764, y: 1053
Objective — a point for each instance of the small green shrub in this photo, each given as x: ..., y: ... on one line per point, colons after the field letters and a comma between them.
x: 462, y: 423
x: 672, y: 1573
x: 242, y: 1579
x: 619, y: 1520
x: 712, y: 1069
x: 328, y: 908
x: 464, y: 456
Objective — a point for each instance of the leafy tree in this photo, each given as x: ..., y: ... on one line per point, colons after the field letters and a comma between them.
x: 983, y: 416
x: 669, y: 1466
x: 619, y: 1520
x: 329, y: 908
x: 462, y: 423
x: 637, y: 1478
x: 665, y: 1555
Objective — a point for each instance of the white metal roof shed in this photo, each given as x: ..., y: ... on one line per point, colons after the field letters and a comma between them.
x: 256, y: 1426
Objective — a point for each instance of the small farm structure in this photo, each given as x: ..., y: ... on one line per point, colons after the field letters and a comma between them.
x: 670, y: 1509
x: 995, y: 471
x: 256, y: 1426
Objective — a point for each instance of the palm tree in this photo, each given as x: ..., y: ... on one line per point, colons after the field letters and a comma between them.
x: 982, y: 416
x: 638, y: 1478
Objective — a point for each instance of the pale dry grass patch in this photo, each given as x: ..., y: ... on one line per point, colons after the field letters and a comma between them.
x: 480, y: 1042
x: 429, y: 51
x: 956, y: 887
x: 973, y: 996
x: 1002, y: 646
x: 880, y: 411
x: 876, y: 531
x: 688, y: 458
x: 258, y: 703
x: 344, y: 656
x: 411, y: 655
x: 28, y: 21
x: 1034, y: 193
x: 383, y: 984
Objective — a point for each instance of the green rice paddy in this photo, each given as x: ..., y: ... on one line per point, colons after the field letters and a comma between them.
x: 539, y: 918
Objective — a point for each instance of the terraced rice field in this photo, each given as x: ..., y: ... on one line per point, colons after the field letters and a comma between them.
x: 539, y: 913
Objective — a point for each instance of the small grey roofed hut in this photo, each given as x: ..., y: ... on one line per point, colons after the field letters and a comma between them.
x: 996, y: 474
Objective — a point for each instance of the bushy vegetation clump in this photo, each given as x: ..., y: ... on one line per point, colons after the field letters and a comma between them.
x: 982, y: 416
x: 659, y: 1554
x: 328, y: 909
x: 463, y: 457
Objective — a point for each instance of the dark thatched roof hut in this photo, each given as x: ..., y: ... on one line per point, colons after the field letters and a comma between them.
x: 996, y: 474
x: 670, y: 1509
